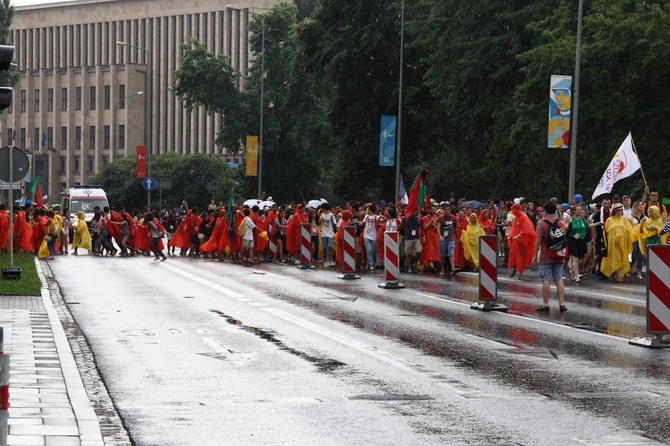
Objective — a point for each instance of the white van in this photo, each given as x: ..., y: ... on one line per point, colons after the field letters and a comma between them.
x: 83, y: 198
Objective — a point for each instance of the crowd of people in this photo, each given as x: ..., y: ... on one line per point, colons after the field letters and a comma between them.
x: 607, y: 239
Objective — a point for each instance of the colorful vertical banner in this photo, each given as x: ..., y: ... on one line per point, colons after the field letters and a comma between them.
x: 387, y: 141
x: 252, y: 156
x: 29, y: 177
x: 141, y: 162
x: 560, y: 107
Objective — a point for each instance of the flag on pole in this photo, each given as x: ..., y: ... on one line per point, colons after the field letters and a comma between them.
x: 230, y: 213
x: 402, y: 193
x: 13, y: 136
x: 418, y: 195
x: 624, y: 164
x: 36, y: 190
x: 29, y: 146
x: 44, y: 139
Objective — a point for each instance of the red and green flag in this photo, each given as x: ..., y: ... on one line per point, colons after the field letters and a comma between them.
x: 36, y: 190
x: 418, y: 195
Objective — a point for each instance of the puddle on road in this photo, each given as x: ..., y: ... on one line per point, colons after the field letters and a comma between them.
x: 324, y: 365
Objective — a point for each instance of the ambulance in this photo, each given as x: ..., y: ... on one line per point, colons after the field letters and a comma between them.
x: 83, y: 198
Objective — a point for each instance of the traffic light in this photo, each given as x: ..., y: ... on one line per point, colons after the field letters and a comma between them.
x: 6, y: 93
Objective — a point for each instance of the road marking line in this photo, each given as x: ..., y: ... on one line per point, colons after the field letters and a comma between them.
x: 526, y: 318
x: 214, y: 286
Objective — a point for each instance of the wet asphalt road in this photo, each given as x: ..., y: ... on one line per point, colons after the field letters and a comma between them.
x: 201, y: 352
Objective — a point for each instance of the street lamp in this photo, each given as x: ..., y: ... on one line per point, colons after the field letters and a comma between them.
x: 575, y: 104
x: 260, y: 136
x: 399, y: 143
x: 148, y: 114
x: 114, y: 121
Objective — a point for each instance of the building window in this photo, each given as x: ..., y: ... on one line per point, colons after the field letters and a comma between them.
x: 50, y: 138
x: 23, y: 101
x: 37, y: 142
x: 37, y: 100
x: 63, y: 104
x: 76, y: 164
x: 77, y: 137
x: 62, y: 164
x: 108, y: 97
x: 122, y: 136
x: 77, y: 98
x: 91, y: 144
x: 90, y: 164
x: 106, y: 140
x: 10, y: 131
x: 92, y: 105
x: 50, y: 100
x: 23, y: 138
x: 105, y: 160
x: 122, y: 95
x: 63, y: 138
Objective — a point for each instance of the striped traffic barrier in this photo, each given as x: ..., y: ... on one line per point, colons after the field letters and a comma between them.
x: 306, y: 246
x: 658, y: 298
x: 4, y: 398
x: 348, y: 253
x: 488, y: 275
x: 391, y: 261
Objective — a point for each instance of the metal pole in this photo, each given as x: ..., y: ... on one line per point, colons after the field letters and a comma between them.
x: 399, y: 142
x: 260, y: 137
x: 575, y: 105
x: 11, y: 202
x: 147, y: 120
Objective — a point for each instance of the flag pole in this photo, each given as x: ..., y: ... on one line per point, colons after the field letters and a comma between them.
x: 638, y: 157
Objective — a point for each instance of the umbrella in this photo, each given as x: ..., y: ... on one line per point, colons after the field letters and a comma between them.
x: 472, y: 204
x: 315, y: 203
x: 263, y: 205
x: 251, y: 203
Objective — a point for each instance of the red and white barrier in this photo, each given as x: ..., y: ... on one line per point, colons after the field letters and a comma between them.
x: 348, y: 253
x: 306, y: 246
x: 658, y: 298
x: 391, y: 261
x: 488, y: 275
x: 4, y: 398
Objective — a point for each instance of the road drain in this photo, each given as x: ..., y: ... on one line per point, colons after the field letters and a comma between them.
x: 322, y: 364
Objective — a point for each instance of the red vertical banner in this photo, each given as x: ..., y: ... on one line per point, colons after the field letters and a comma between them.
x: 141, y: 162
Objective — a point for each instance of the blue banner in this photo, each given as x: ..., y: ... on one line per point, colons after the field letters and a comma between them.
x: 387, y: 141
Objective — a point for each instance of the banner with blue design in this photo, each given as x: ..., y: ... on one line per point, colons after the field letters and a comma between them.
x: 387, y: 141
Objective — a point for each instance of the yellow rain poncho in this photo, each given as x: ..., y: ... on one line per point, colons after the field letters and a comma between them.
x: 650, y: 229
x: 470, y: 240
x: 619, y: 238
x: 82, y: 238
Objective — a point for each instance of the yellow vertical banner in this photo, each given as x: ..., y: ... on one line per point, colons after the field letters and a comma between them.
x: 252, y: 156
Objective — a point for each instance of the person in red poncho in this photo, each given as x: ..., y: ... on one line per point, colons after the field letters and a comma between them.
x: 181, y: 239
x: 521, y: 241
x: 293, y: 232
x: 40, y: 222
x: 486, y: 222
x: 461, y: 224
x: 23, y: 233
x: 211, y: 246
x: 430, y: 241
x: 4, y: 228
x: 339, y: 236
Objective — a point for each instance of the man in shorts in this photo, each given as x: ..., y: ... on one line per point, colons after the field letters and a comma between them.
x: 413, y: 246
x: 248, y: 237
x: 551, y: 268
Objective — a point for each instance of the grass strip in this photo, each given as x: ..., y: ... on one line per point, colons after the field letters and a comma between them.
x: 29, y: 284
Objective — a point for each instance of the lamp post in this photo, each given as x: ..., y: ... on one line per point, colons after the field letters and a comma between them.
x: 260, y: 136
x: 575, y: 104
x: 33, y: 155
x: 399, y: 143
x: 148, y: 114
x: 114, y: 121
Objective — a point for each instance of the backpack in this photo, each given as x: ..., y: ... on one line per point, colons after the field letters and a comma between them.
x: 556, y: 239
x: 242, y: 229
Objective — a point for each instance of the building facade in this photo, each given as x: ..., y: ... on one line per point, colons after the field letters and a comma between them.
x: 96, y: 78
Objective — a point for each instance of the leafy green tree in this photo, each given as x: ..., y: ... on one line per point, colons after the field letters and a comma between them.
x: 11, y: 77
x: 623, y: 87
x: 190, y: 175
x: 355, y: 46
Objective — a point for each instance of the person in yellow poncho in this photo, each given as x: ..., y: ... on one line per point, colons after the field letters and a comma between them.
x: 619, y: 242
x: 82, y: 238
x: 470, y: 241
x: 651, y: 229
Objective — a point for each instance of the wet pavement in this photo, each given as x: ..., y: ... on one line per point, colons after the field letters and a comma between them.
x: 412, y: 366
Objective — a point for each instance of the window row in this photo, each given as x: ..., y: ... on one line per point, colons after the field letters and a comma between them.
x: 76, y: 161
x: 45, y: 139
x: 92, y: 99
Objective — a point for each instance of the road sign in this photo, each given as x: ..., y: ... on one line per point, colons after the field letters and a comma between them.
x: 149, y: 183
x: 20, y: 164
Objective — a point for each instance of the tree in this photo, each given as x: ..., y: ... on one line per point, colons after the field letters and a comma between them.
x: 11, y: 77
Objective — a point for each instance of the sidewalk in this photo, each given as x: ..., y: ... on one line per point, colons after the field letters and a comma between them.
x: 47, y: 399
